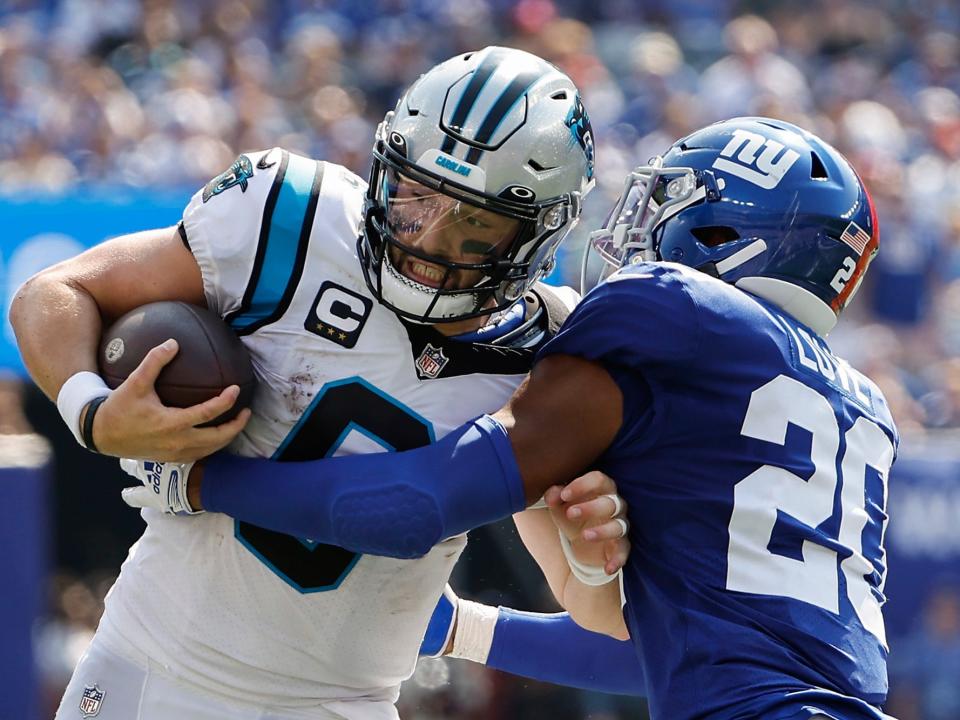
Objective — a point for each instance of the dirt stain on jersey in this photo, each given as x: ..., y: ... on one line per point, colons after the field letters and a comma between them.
x: 300, y: 391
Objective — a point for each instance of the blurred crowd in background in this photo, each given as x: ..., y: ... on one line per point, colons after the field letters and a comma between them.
x: 165, y: 93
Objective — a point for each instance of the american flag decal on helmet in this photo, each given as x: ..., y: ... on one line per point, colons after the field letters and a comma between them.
x: 856, y: 237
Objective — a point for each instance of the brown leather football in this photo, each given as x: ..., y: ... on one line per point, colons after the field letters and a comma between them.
x: 211, y: 356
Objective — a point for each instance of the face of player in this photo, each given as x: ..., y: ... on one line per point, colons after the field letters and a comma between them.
x: 429, y: 223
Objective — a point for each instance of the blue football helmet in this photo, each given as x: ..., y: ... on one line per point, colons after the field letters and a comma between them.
x: 758, y: 203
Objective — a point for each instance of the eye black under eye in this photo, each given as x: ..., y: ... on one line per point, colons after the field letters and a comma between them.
x: 476, y: 247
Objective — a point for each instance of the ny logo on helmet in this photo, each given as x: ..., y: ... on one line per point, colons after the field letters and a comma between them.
x: 767, y: 170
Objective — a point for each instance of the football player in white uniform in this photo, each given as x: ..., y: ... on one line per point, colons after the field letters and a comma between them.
x: 378, y: 317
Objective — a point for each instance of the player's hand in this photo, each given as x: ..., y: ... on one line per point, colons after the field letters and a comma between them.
x: 592, y: 516
x: 438, y: 639
x: 164, y: 486
x: 133, y: 423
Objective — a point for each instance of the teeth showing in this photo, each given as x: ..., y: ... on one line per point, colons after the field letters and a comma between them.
x: 426, y: 271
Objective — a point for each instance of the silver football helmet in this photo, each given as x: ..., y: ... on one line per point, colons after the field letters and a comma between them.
x: 478, y: 174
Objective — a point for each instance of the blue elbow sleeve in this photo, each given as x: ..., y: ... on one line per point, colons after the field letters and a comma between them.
x: 553, y: 648
x: 393, y: 504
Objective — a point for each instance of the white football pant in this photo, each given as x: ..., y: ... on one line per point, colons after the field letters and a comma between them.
x: 108, y: 686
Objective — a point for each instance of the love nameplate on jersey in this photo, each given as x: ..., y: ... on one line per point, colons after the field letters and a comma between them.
x: 338, y: 314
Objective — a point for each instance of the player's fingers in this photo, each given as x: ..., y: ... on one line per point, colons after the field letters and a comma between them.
x: 145, y: 374
x: 229, y: 430
x: 552, y: 497
x: 210, y: 439
x: 600, y: 508
x: 610, y: 530
x: 209, y: 409
x: 587, y: 487
x: 617, y: 552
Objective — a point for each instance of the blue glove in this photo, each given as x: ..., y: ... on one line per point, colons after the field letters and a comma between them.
x: 546, y: 647
x: 442, y: 623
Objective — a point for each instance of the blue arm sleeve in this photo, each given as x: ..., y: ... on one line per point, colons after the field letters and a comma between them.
x: 394, y: 504
x: 553, y: 648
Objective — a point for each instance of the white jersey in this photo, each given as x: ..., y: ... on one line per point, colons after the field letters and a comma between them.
x: 256, y: 615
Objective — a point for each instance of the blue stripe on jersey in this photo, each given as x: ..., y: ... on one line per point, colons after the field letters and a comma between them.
x: 283, y: 236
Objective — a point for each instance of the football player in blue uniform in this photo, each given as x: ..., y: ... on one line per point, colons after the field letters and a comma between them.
x: 754, y: 460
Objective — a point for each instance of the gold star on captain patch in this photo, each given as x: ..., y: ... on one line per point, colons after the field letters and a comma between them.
x: 343, y: 336
x: 331, y: 331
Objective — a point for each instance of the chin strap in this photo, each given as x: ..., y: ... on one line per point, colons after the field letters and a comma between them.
x: 414, y: 300
x: 500, y: 327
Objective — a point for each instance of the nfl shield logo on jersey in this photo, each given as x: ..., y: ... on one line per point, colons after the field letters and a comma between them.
x: 431, y: 362
x: 91, y: 701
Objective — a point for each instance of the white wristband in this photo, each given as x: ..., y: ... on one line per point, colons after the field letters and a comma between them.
x: 587, y: 574
x: 75, y: 394
x: 475, y: 627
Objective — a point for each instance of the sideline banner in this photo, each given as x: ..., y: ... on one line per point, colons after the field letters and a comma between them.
x: 24, y: 482
x: 40, y: 231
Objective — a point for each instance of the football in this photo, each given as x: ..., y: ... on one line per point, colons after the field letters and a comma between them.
x: 211, y: 356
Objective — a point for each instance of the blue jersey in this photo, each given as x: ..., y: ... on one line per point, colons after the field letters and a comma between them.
x: 754, y: 463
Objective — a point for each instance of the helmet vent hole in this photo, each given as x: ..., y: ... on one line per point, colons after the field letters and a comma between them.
x: 817, y: 169
x: 519, y: 193
x: 468, y: 56
x: 714, y: 235
x: 537, y: 166
x: 559, y: 95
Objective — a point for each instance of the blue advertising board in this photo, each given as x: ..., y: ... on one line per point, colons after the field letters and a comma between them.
x: 40, y: 231
x: 25, y: 472
x: 923, y: 535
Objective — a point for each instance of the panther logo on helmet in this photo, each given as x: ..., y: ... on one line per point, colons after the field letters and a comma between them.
x: 581, y: 132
